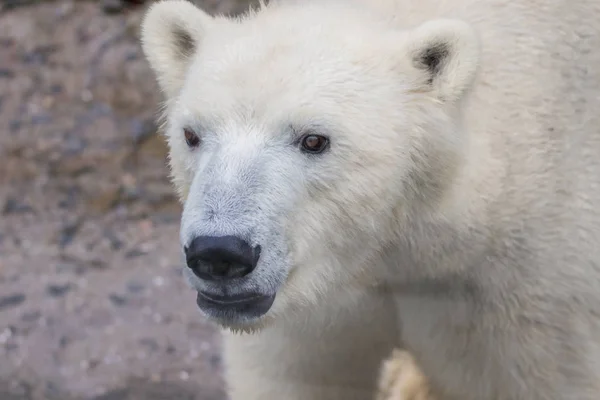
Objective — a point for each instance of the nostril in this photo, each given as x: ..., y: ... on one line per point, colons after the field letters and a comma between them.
x: 221, y: 258
x: 257, y: 250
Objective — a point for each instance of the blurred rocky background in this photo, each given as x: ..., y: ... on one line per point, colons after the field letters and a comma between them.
x: 92, y: 302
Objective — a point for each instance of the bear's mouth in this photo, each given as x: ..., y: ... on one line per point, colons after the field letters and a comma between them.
x: 234, y: 307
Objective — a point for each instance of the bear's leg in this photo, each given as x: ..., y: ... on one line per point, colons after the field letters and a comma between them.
x: 329, y: 354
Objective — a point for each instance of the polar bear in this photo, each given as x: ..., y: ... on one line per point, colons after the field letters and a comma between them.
x: 359, y: 176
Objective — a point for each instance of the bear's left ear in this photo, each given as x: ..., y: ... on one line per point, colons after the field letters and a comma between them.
x: 172, y: 31
x: 446, y: 54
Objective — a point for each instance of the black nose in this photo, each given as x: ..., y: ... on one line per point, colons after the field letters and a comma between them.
x: 221, y: 258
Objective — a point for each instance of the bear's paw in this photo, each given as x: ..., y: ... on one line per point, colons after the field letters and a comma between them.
x: 402, y: 379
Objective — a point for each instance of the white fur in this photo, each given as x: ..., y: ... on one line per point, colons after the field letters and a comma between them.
x: 460, y: 202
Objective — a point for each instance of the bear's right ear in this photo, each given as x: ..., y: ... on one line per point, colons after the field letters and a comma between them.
x: 171, y: 33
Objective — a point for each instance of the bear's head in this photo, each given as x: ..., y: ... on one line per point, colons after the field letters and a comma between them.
x: 302, y: 137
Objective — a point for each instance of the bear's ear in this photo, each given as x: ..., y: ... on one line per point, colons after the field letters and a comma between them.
x: 171, y: 33
x: 446, y: 54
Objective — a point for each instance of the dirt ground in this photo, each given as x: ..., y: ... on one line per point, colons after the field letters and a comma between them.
x: 92, y: 302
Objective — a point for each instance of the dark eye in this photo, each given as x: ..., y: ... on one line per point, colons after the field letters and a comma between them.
x: 191, y: 138
x: 314, y: 143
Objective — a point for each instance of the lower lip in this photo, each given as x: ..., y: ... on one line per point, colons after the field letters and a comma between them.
x: 247, y: 306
